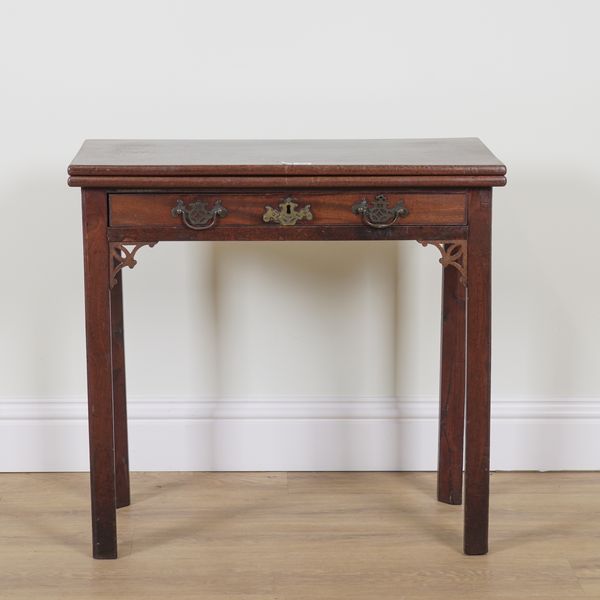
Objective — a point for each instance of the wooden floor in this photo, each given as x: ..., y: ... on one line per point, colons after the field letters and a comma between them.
x: 300, y: 536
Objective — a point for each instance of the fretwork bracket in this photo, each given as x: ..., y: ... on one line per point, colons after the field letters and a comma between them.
x: 454, y: 254
x: 121, y: 257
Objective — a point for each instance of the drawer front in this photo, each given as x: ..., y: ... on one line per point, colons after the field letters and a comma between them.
x: 204, y: 210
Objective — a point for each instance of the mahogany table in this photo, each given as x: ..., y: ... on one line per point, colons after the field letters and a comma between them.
x: 435, y: 191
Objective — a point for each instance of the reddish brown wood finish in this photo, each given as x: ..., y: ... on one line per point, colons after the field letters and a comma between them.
x: 452, y: 388
x: 273, y: 232
x: 99, y: 367
x: 289, y: 158
x: 231, y: 164
x: 140, y: 178
x: 479, y: 302
x: 248, y: 208
x: 119, y: 394
x: 382, y: 181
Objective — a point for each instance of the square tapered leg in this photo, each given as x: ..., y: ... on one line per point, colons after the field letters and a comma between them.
x: 99, y: 374
x: 119, y: 394
x: 452, y: 388
x: 477, y: 447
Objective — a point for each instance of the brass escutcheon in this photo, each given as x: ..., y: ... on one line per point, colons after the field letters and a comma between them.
x: 287, y: 213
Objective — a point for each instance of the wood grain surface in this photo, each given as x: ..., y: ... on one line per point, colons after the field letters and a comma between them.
x: 99, y: 373
x: 452, y: 388
x: 148, y: 182
x: 248, y: 208
x: 298, y: 233
x: 292, y: 536
x: 445, y: 156
x: 444, y: 184
x: 152, y: 164
x: 478, y: 372
x: 119, y: 393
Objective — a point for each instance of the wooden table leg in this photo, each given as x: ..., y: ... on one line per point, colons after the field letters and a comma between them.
x: 99, y: 367
x: 119, y: 393
x: 452, y: 388
x: 478, y: 373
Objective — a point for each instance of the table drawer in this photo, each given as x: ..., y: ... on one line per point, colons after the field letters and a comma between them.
x: 204, y: 210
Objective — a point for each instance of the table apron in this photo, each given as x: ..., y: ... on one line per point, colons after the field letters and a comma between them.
x: 282, y: 234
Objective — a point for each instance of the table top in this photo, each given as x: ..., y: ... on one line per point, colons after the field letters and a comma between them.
x: 406, y: 157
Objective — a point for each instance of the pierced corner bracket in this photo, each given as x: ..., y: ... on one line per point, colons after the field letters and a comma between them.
x: 121, y: 257
x: 454, y: 254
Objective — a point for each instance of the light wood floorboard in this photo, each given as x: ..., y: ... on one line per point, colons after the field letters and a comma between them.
x: 297, y: 536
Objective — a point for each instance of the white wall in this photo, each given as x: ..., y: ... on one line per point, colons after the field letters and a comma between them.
x: 251, y: 356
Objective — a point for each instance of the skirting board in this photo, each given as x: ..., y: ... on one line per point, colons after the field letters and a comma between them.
x: 284, y: 434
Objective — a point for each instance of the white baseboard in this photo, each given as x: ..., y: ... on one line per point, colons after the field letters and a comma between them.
x: 298, y: 434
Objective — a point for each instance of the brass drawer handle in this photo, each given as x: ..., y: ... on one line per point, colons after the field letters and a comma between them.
x: 287, y: 213
x: 197, y: 215
x: 379, y: 214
